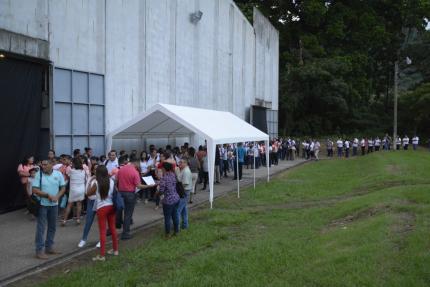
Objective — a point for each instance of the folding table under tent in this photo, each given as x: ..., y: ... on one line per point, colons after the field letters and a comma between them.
x: 217, y: 127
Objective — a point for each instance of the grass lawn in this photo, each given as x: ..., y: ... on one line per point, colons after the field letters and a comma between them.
x: 357, y: 222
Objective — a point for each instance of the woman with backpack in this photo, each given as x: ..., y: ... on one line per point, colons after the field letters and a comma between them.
x: 103, y: 188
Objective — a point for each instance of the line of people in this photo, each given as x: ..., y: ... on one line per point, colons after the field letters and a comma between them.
x: 346, y: 148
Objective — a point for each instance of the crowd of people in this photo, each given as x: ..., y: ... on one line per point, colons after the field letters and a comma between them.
x: 71, y: 186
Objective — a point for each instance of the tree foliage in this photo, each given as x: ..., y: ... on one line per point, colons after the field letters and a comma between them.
x: 337, y: 60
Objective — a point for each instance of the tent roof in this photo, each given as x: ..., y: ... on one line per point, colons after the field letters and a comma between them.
x: 164, y: 120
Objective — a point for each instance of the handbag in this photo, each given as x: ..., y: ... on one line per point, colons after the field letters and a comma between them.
x: 34, y: 201
x: 63, y: 202
x: 117, y: 200
x: 180, y: 189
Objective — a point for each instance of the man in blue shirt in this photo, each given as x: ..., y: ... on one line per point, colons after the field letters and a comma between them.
x: 239, y: 152
x: 49, y: 186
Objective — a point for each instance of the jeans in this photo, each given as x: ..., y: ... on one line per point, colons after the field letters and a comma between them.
x: 339, y: 152
x: 225, y: 167
x: 354, y: 151
x: 183, y: 210
x: 47, y: 216
x: 240, y: 170
x: 89, y: 218
x: 217, y: 173
x: 129, y: 203
x: 205, y: 179
x: 170, y: 212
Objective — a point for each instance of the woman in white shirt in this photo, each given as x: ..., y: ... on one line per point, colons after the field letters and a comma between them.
x: 103, y: 189
x: 78, y: 179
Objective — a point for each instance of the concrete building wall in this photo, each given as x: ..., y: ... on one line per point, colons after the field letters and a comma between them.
x: 267, y: 60
x: 149, y: 51
x: 77, y: 35
x: 26, y: 17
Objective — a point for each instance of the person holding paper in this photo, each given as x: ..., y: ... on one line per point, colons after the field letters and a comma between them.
x: 128, y: 179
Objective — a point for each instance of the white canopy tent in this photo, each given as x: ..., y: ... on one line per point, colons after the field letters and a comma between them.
x: 216, y: 127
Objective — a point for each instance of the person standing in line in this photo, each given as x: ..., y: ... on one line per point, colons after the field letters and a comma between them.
x: 312, y: 149
x: 293, y: 150
x: 347, y: 145
x: 186, y: 178
x: 304, y: 149
x: 193, y: 164
x: 354, y: 147
x: 398, y: 142
x: 128, y: 179
x: 88, y: 154
x: 51, y: 156
x: 78, y: 180
x: 329, y: 148
x: 103, y: 188
x: 317, y: 150
x: 240, y: 154
x: 369, y: 145
x: 415, y: 142
x: 200, y: 153
x: 91, y: 208
x: 217, y: 165
x: 405, y: 142
x: 24, y: 173
x: 377, y: 144
x: 112, y: 162
x: 49, y: 186
x: 363, y: 146
x: 298, y: 145
x: 224, y: 156
x: 167, y: 187
x: 205, y: 169
x: 257, y: 156
x: 339, y: 144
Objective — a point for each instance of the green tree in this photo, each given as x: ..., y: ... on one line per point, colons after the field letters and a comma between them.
x: 337, y: 60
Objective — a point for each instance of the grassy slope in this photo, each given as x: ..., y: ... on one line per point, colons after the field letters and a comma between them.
x: 360, y: 222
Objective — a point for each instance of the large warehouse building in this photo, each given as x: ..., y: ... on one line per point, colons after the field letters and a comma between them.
x: 79, y: 69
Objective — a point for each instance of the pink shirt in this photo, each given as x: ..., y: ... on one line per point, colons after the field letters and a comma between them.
x: 24, y: 172
x: 128, y: 178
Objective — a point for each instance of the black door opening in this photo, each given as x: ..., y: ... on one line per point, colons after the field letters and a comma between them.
x: 22, y: 84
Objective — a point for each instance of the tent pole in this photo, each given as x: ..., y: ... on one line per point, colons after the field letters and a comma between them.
x: 267, y: 160
x: 253, y: 152
x: 210, y: 149
x: 237, y: 169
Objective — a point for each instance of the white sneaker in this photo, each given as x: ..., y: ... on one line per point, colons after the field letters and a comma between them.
x: 82, y: 243
x: 98, y: 244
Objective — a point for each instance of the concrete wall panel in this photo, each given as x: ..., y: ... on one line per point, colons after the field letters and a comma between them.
x: 77, y: 38
x: 26, y: 17
x: 267, y: 60
x: 124, y: 66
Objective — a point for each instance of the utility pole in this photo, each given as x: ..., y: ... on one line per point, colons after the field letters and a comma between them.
x: 396, y: 84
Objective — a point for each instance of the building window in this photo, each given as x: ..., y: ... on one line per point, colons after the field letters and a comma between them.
x: 272, y: 123
x: 79, y: 111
